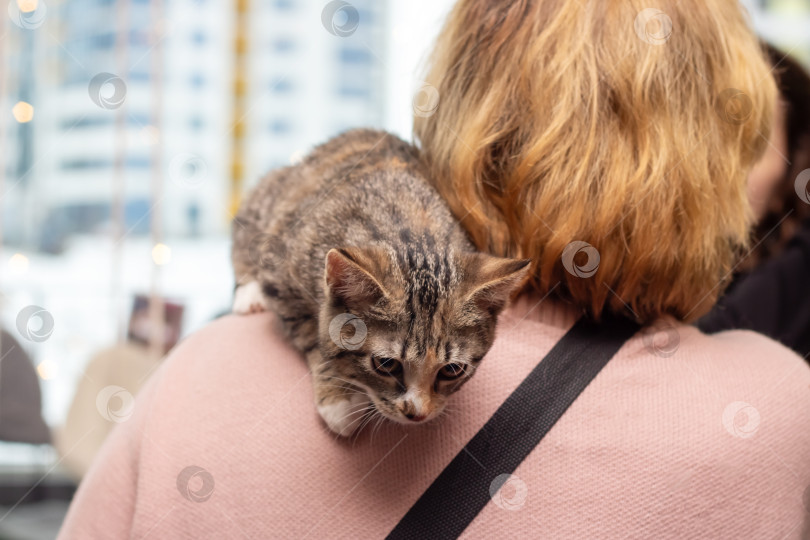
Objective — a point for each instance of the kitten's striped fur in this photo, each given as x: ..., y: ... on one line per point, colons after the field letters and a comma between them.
x: 356, y: 233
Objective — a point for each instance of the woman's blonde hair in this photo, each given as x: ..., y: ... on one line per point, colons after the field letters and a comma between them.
x: 609, y: 141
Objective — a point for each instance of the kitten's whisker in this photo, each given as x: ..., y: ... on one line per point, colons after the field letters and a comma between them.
x: 380, y: 421
x: 352, y: 413
x: 337, y: 385
x: 349, y: 385
x: 375, y: 418
x: 363, y: 420
x: 365, y: 410
x: 333, y: 377
x: 374, y: 428
x: 356, y: 411
x: 348, y: 390
x: 367, y: 419
x: 374, y: 412
x: 357, y: 431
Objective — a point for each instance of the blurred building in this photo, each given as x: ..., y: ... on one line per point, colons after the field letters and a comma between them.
x: 111, y: 84
x: 17, y: 145
x: 314, y: 70
x: 783, y: 23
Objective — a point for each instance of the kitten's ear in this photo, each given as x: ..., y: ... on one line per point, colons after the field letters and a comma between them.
x: 350, y: 277
x: 492, y: 280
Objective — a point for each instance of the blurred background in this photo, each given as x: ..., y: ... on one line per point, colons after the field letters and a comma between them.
x: 129, y: 132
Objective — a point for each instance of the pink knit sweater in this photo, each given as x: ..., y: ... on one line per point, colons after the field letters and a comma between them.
x: 709, y: 438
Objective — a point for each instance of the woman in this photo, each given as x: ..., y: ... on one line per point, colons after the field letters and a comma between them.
x: 558, y: 122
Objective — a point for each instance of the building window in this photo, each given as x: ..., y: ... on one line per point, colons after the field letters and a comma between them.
x: 81, y: 164
x: 355, y: 56
x: 137, y: 119
x: 86, y: 122
x: 196, y: 123
x: 138, y: 37
x: 283, y: 45
x: 350, y: 91
x: 198, y: 37
x: 132, y: 119
x: 280, y: 127
x: 197, y: 80
x: 131, y: 162
x: 138, y: 75
x: 365, y: 16
x: 103, y: 41
x: 137, y: 162
x: 282, y: 86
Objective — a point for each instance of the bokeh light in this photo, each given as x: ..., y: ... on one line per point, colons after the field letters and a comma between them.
x: 23, y: 112
x: 161, y: 254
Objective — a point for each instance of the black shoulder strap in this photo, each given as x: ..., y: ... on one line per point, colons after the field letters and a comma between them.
x: 463, y: 488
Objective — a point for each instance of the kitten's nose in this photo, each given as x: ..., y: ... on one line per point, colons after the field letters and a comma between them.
x: 414, y: 417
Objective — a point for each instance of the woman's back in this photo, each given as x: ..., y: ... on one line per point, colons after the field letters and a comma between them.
x: 680, y: 435
x: 608, y: 142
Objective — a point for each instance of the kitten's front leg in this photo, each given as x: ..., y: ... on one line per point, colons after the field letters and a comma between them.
x: 249, y: 298
x: 342, y: 407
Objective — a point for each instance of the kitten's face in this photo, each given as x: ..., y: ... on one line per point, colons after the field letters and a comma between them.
x: 416, y: 341
x: 408, y: 367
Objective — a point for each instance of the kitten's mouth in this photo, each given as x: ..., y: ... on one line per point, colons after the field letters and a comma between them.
x: 394, y: 414
x: 409, y: 420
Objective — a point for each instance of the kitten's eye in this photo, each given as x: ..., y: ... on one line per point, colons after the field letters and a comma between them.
x: 386, y: 366
x: 451, y: 371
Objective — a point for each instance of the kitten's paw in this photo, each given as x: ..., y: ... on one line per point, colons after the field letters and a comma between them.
x: 344, y: 416
x: 249, y: 298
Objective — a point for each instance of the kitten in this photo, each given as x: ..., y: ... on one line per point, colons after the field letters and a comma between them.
x: 371, y: 278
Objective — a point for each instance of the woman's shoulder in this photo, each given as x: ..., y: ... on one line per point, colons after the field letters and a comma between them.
x: 689, y: 377
x: 233, y: 355
x: 732, y: 366
x: 740, y: 354
x: 737, y: 405
x: 234, y: 342
x: 666, y: 344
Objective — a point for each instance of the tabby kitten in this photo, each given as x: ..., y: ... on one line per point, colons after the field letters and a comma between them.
x: 371, y: 278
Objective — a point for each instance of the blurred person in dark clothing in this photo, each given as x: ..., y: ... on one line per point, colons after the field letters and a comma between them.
x: 770, y: 292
